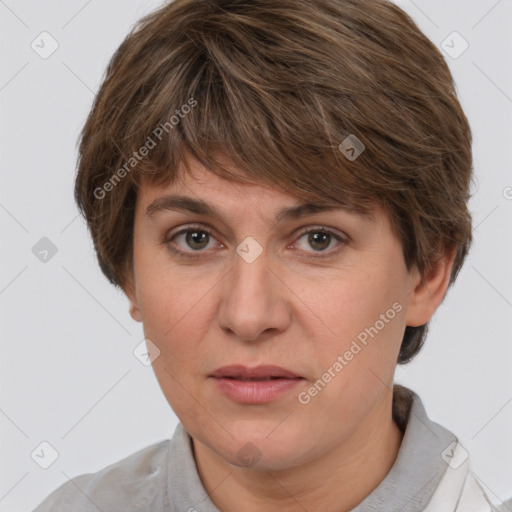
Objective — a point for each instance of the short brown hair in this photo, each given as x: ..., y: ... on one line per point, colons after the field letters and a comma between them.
x: 276, y: 86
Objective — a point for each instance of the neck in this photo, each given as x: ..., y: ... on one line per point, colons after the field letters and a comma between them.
x: 335, y: 482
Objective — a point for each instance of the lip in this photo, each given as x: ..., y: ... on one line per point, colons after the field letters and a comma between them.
x: 239, y: 383
x: 241, y: 372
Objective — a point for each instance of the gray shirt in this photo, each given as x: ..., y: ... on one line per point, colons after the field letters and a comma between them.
x: 163, y: 477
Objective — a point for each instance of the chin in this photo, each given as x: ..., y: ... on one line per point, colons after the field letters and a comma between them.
x: 261, y: 451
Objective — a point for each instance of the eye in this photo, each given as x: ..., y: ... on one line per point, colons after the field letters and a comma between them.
x: 189, y: 240
x: 320, y: 239
x: 197, y: 239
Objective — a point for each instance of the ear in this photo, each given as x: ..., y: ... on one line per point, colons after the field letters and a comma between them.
x: 429, y: 291
x: 131, y: 293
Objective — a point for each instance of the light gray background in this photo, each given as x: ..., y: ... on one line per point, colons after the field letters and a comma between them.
x: 68, y: 374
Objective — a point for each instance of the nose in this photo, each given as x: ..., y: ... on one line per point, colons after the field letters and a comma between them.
x: 254, y: 303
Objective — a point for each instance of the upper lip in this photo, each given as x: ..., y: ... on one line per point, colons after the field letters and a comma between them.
x: 258, y: 372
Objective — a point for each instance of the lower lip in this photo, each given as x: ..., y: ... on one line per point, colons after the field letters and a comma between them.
x: 255, y: 392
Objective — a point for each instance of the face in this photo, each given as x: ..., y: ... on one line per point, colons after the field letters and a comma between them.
x: 325, y: 295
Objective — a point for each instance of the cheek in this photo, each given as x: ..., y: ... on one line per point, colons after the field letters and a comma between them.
x: 349, y: 303
x: 163, y: 292
x: 173, y: 319
x: 175, y: 311
x: 358, y: 358
x: 363, y: 320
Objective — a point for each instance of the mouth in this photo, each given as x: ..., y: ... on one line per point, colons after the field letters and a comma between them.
x: 258, y: 385
x: 258, y: 373
x: 256, y: 380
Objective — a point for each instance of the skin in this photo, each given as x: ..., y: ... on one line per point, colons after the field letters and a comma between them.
x: 288, y: 309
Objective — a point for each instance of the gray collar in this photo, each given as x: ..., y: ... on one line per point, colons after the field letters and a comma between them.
x: 408, y: 486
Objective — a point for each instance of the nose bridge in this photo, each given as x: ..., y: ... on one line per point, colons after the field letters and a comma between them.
x: 251, y: 299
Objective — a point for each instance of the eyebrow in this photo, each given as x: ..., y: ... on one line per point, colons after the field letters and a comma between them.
x: 200, y: 207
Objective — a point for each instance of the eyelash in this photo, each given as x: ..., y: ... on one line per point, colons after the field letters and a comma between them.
x: 186, y: 254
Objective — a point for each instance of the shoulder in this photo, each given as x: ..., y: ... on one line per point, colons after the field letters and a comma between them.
x: 133, y: 483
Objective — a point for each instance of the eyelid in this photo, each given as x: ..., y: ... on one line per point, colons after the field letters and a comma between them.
x: 320, y: 227
x: 190, y: 227
x: 298, y: 232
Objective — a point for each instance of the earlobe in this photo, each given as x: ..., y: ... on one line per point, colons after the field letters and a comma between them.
x: 135, y: 312
x: 428, y: 293
x: 129, y: 291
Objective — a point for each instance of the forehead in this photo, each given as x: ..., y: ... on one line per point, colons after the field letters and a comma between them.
x: 198, y: 181
x: 197, y: 190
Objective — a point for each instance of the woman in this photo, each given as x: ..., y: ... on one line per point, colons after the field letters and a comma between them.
x: 280, y: 189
